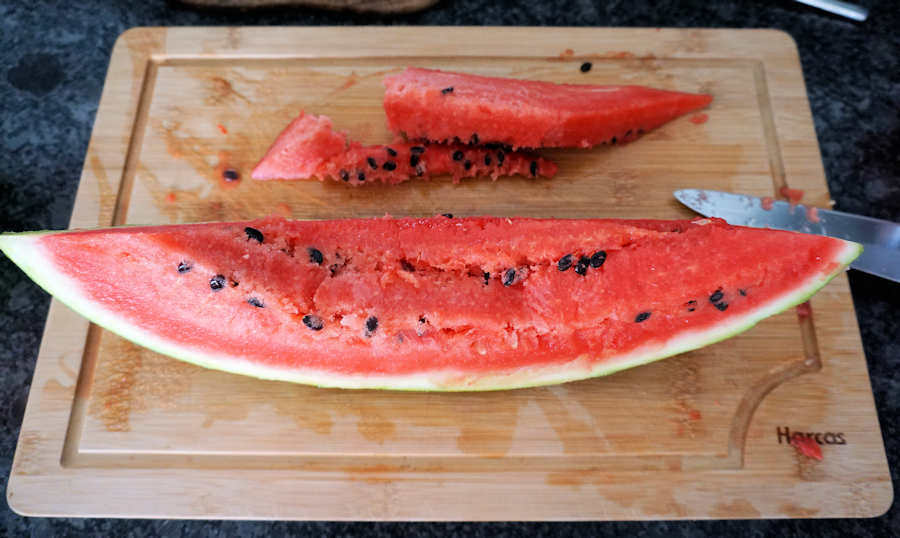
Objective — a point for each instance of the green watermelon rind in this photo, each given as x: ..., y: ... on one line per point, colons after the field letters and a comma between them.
x: 25, y: 251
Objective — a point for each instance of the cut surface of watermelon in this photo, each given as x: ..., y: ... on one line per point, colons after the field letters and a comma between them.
x: 309, y: 147
x: 426, y: 104
x: 428, y: 304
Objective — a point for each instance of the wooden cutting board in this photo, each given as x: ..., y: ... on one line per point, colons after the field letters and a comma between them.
x: 112, y: 429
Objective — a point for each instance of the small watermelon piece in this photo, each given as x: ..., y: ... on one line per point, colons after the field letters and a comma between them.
x: 309, y: 147
x: 301, y: 149
x: 436, y: 105
x: 438, y: 303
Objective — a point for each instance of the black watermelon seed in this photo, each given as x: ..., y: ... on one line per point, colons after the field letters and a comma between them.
x: 467, y: 165
x: 628, y: 133
x: 217, y: 282
x: 487, y: 277
x: 417, y: 149
x: 234, y: 283
x: 582, y: 266
x: 509, y: 277
x: 361, y: 176
x: 716, y: 296
x: 313, y: 321
x: 371, y: 325
x: 184, y: 267
x: 457, y: 155
x: 391, y: 151
x: 413, y: 160
x: 533, y: 168
x: 255, y: 302
x: 447, y: 90
x: 642, y: 317
x: 372, y: 162
x: 448, y: 215
x: 253, y: 233
x: 500, y: 157
x: 389, y: 166
x: 564, y: 263
x: 613, y: 141
x: 598, y: 258
x: 723, y: 306
x: 407, y: 266
x: 742, y: 292
x: 586, y: 66
x: 315, y: 255
x: 474, y: 139
x: 345, y: 175
x: 487, y: 159
x: 230, y: 174
x: 691, y: 305
x: 423, y: 320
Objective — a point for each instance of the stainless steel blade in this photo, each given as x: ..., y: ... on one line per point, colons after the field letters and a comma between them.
x: 880, y: 238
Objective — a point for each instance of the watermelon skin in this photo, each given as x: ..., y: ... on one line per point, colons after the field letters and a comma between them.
x: 526, y: 113
x: 309, y: 147
x: 438, y: 325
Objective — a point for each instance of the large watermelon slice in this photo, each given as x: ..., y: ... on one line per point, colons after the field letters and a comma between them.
x: 426, y: 104
x: 436, y: 303
x: 309, y: 147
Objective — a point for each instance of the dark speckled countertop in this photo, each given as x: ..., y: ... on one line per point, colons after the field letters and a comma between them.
x: 53, y: 59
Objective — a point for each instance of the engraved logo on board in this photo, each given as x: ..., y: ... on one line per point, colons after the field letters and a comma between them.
x: 785, y: 436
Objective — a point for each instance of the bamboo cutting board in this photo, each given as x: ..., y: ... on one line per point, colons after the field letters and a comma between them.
x: 112, y: 429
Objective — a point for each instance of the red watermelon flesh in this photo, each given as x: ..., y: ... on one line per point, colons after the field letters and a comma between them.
x: 436, y: 105
x: 309, y: 147
x: 437, y: 303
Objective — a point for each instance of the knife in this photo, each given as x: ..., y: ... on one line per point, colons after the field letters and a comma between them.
x: 880, y: 238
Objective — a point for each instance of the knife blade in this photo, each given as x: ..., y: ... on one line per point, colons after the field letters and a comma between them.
x: 880, y: 238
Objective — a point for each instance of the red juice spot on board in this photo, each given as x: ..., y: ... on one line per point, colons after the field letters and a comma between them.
x: 170, y: 197
x: 222, y: 128
x: 767, y: 202
x: 699, y: 118
x: 793, y: 195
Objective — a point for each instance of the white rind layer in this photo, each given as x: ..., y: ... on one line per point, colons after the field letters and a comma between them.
x: 26, y: 251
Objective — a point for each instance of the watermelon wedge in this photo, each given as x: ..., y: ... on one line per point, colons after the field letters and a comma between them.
x: 309, y: 147
x: 425, y: 104
x: 428, y: 304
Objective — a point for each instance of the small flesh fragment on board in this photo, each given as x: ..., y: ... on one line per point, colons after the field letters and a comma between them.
x: 807, y: 446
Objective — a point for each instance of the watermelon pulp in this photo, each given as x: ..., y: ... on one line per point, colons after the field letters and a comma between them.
x: 436, y: 303
x: 436, y: 105
x: 309, y: 147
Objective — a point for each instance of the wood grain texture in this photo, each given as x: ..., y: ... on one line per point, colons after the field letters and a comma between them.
x: 112, y: 429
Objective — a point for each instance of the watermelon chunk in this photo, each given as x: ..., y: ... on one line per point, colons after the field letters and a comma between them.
x: 309, y: 147
x: 436, y: 303
x: 426, y: 104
